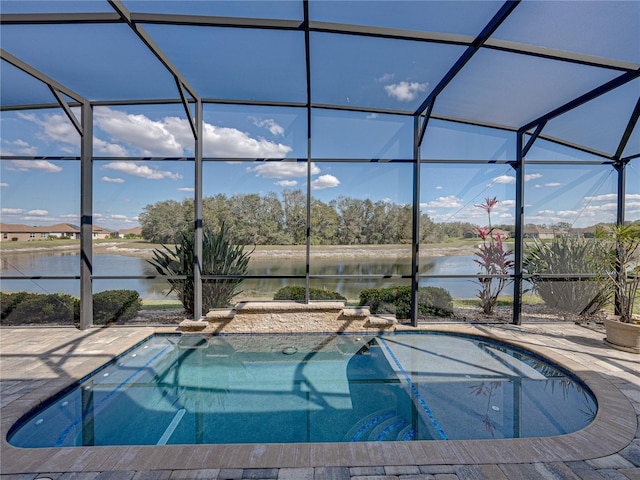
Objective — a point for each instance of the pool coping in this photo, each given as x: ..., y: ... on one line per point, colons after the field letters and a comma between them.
x: 613, y: 428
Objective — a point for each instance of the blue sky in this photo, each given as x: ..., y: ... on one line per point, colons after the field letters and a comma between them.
x: 269, y: 65
x: 47, y: 191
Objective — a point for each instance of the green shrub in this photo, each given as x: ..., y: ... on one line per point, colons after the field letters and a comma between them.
x: 299, y: 294
x: 36, y: 308
x: 110, y: 306
x: 432, y: 301
x: 113, y: 306
x: 9, y: 301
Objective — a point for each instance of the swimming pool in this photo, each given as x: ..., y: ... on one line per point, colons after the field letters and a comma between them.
x: 192, y: 389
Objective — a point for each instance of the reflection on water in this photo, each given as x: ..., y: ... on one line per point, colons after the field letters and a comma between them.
x: 68, y: 264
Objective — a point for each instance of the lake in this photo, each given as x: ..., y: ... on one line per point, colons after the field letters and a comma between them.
x: 59, y: 263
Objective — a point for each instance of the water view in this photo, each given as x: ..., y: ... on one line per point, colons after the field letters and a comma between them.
x: 31, y: 264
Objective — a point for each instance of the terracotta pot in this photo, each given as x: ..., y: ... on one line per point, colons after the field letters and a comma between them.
x: 622, y: 336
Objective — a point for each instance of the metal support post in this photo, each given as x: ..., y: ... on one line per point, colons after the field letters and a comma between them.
x: 197, y: 215
x: 519, y: 230
x: 86, y: 218
x: 415, y: 233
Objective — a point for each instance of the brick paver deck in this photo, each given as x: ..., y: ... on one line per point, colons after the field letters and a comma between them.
x: 37, y: 362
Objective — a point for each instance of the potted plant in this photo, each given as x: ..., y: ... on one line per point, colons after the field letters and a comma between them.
x: 621, y: 280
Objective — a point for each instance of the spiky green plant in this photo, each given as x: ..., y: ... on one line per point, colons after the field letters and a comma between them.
x: 567, y: 256
x: 219, y: 257
x: 621, y: 245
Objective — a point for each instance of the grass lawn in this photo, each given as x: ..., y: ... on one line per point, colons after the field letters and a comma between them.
x: 505, y: 301
x: 160, y: 304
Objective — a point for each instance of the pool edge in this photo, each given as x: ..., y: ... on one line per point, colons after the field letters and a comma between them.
x: 613, y: 429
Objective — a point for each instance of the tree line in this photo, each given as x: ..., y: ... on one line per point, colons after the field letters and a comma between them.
x: 253, y: 219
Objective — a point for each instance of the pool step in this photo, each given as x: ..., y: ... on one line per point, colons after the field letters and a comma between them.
x: 383, y: 425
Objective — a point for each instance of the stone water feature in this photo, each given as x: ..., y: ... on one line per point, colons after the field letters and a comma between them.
x: 288, y: 317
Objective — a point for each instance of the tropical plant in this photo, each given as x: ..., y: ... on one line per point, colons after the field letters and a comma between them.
x: 219, y: 257
x: 493, y: 260
x: 621, y: 244
x: 567, y: 256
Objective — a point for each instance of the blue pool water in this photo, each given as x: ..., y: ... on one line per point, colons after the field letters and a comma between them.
x: 194, y: 389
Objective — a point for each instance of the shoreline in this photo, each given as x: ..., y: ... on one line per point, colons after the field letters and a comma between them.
x: 276, y: 251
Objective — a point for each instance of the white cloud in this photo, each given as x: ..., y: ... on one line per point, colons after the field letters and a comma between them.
x: 287, y: 183
x: 169, y: 136
x: 230, y: 142
x: 387, y: 77
x: 56, y: 127
x: 603, y: 198
x: 69, y: 215
x: 439, y: 187
x: 41, y: 165
x: 24, y: 148
x: 4, y: 184
x: 372, y: 116
x: 143, y: 171
x: 505, y: 204
x: 151, y: 137
x: 270, y: 124
x: 609, y: 197
x: 39, y: 213
x: 567, y: 213
x: 552, y: 184
x: 118, y: 217
x: 186, y: 189
x: 12, y: 211
x: 405, y: 91
x: 511, y: 179
x: 283, y: 169
x: 111, y: 149
x: 607, y: 207
x: 38, y: 219
x: 450, y: 201
x: 324, y: 181
x: 112, y: 180
x: 504, y: 179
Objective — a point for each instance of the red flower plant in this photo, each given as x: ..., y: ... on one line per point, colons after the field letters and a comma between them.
x: 493, y: 260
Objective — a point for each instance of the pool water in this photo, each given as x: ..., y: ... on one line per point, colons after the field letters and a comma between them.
x: 223, y: 389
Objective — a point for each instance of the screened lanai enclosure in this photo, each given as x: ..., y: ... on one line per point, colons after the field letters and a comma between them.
x: 441, y: 146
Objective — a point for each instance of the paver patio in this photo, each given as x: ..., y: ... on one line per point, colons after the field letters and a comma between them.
x: 38, y: 362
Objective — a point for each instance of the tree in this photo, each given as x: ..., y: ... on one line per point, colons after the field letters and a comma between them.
x: 295, y: 216
x: 271, y: 221
x: 165, y: 221
x: 352, y: 214
x: 216, y: 211
x: 245, y: 209
x: 324, y: 223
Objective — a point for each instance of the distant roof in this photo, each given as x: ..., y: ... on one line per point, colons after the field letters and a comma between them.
x: 134, y: 231
x: 56, y: 228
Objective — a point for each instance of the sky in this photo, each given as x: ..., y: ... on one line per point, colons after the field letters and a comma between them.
x: 268, y: 65
x: 46, y: 191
